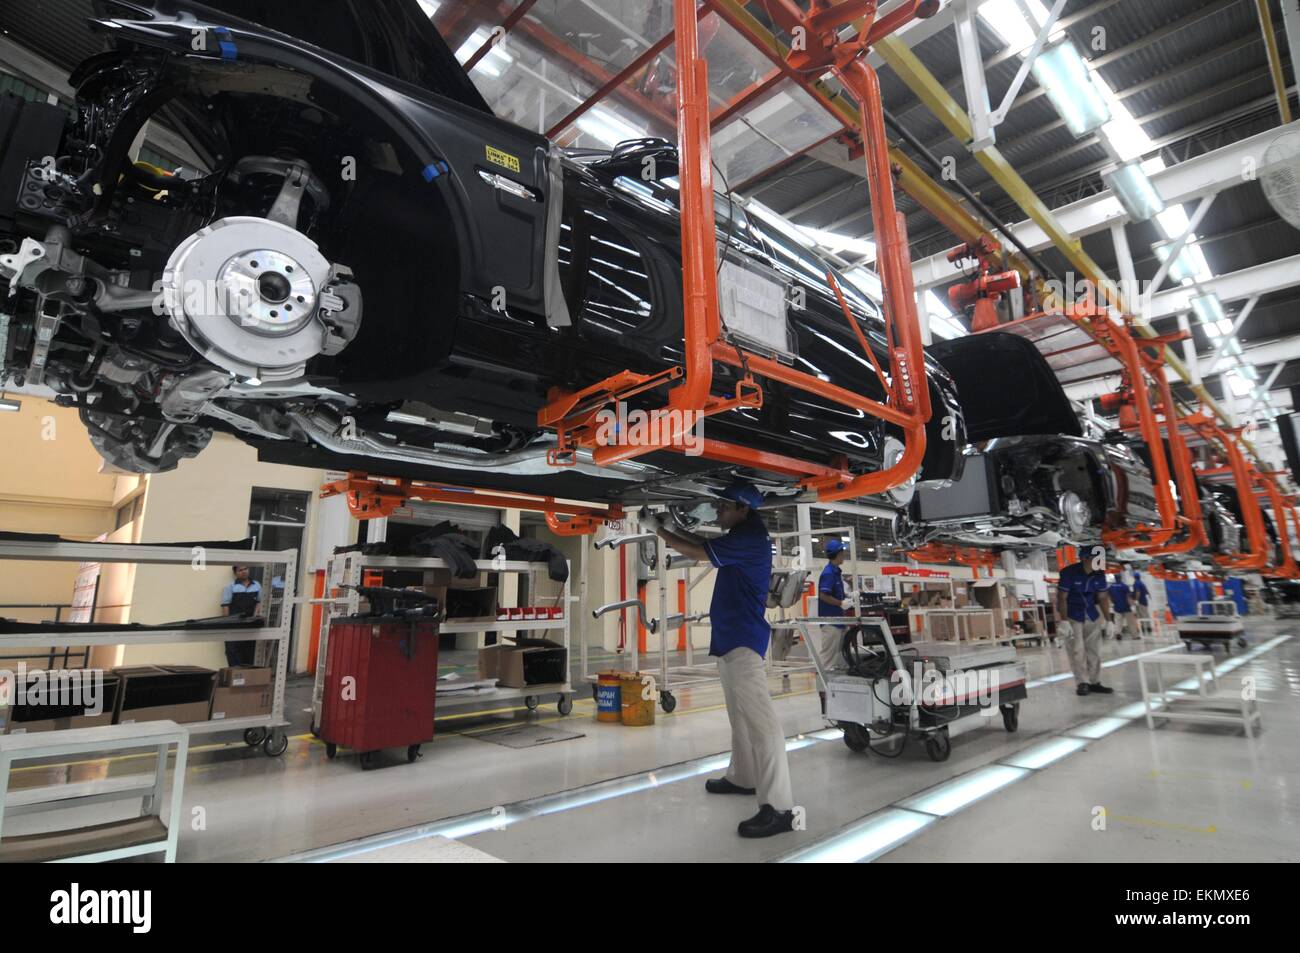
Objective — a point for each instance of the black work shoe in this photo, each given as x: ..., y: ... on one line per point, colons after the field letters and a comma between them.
x: 1083, y: 688
x: 767, y: 822
x: 1097, y: 688
x: 724, y: 786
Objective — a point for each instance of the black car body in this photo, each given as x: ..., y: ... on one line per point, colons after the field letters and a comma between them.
x: 461, y: 267
x: 1031, y: 478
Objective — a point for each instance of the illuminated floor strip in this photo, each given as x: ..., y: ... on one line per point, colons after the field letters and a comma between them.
x: 501, y: 817
x: 890, y: 827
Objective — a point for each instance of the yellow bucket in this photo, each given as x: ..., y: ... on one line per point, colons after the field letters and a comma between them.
x: 637, y: 711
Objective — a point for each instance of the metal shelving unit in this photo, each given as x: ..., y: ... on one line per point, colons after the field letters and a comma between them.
x: 346, y: 569
x: 273, y: 647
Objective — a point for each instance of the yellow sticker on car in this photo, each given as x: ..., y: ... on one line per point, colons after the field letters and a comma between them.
x: 503, y: 159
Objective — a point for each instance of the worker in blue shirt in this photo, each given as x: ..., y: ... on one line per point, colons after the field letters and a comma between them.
x: 1119, y: 600
x: 243, y: 598
x: 1083, y: 602
x: 740, y: 634
x: 832, y: 600
x: 1143, y: 595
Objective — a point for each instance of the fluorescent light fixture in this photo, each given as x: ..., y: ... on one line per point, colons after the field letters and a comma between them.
x: 1208, y: 309
x: 865, y: 840
x: 1173, y: 221
x: 1184, y: 267
x: 1061, y: 71
x: 1125, y: 133
x: 1134, y: 191
x: 1045, y: 753
x: 961, y: 792
x: 1239, y: 385
x: 1006, y: 20
x: 9, y: 405
x: 1099, y: 728
x: 1219, y: 329
x: 430, y: 7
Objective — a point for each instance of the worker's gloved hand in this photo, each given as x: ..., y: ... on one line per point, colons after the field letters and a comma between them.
x: 848, y: 603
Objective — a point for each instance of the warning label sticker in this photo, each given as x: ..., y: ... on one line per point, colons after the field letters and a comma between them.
x: 503, y: 159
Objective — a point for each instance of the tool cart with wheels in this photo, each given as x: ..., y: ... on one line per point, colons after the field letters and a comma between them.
x: 883, y: 697
x: 381, y: 672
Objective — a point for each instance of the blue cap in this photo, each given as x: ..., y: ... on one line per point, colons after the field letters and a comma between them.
x: 742, y: 491
x: 834, y: 547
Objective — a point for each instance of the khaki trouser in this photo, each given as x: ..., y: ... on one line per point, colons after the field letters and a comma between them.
x: 779, y: 648
x: 1144, y: 612
x: 1083, y: 642
x: 1129, y: 621
x: 826, y: 642
x: 757, y: 742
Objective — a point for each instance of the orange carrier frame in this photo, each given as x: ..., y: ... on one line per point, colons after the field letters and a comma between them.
x: 573, y: 415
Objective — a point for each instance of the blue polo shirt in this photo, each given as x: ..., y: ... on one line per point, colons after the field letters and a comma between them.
x: 1140, y: 589
x: 737, y: 615
x: 1081, y: 588
x: 1119, y: 596
x: 228, y: 594
x: 831, y: 583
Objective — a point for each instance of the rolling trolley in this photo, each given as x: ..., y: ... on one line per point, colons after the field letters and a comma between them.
x: 932, y: 691
x: 1216, y: 622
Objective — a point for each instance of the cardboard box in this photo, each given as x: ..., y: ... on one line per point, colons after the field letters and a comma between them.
x: 12, y: 727
x: 946, y: 628
x: 179, y: 693
x: 981, y: 627
x: 992, y: 596
x: 245, y: 701
x: 244, y: 676
x: 181, y: 714
x: 532, y: 662
x: 443, y: 579
x: 16, y: 719
x: 489, y: 660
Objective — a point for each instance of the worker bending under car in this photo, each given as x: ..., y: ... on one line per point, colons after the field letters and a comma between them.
x: 1083, y: 601
x: 1125, y: 619
x: 832, y: 600
x: 740, y: 636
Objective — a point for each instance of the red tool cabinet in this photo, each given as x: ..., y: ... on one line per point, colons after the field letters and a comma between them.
x: 389, y: 701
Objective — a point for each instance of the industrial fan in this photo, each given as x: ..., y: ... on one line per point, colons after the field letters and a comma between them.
x: 1280, y: 177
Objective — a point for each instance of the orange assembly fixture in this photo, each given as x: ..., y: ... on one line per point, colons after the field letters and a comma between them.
x: 907, y: 403
x: 1206, y: 427
x: 373, y: 497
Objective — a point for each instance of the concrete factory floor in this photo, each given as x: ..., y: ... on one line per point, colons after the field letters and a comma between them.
x: 1082, y: 780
